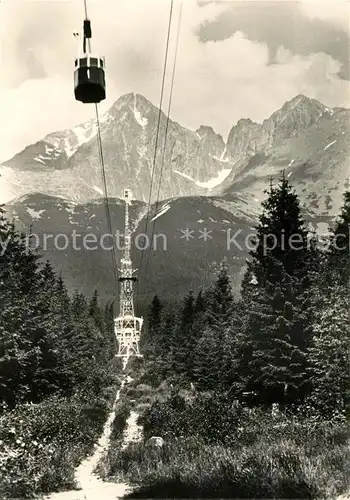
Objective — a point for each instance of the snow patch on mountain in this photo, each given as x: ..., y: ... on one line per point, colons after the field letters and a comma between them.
x: 138, y: 117
x: 98, y: 190
x: 85, y: 132
x: 184, y: 175
x: 329, y: 145
x: 40, y: 159
x: 70, y: 208
x: 211, y: 183
x: 35, y: 214
x: 140, y: 120
x: 222, y: 157
x: 69, y: 141
x: 162, y: 211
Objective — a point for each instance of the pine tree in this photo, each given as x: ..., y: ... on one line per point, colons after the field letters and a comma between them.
x: 206, y: 368
x: 276, y: 299
x: 329, y: 352
x: 200, y: 305
x: 109, y: 328
x: 282, y: 237
x: 338, y: 262
x: 183, y: 341
x: 95, y: 311
x: 79, y: 305
x: 48, y: 343
x: 28, y: 361
x: 154, y: 315
x: 150, y: 338
x: 219, y: 298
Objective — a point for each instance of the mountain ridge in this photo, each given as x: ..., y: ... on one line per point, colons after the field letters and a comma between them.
x: 193, y: 163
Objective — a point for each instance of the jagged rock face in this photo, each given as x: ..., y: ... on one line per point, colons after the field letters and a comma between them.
x: 211, y: 141
x: 244, y: 140
x: 129, y: 136
x: 67, y: 163
x: 248, y: 138
x: 315, y: 161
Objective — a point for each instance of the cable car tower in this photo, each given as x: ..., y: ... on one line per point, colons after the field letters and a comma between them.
x: 127, y: 326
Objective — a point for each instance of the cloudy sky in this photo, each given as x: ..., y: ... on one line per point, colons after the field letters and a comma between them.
x: 235, y: 59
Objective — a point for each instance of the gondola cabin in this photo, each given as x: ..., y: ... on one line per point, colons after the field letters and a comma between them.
x: 89, y: 79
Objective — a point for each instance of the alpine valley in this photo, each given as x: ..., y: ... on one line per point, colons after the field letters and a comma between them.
x: 206, y: 193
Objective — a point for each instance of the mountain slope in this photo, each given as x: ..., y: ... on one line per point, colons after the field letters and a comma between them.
x: 316, y: 162
x: 194, y: 163
x: 175, y: 264
x: 67, y: 163
x: 178, y: 250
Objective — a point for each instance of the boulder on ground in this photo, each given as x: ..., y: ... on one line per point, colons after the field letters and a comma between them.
x: 155, y: 442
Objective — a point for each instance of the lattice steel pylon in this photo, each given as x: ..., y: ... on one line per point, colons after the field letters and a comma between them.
x: 127, y: 326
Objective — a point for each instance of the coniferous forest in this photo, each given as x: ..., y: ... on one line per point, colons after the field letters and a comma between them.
x: 58, y: 375
x: 249, y: 394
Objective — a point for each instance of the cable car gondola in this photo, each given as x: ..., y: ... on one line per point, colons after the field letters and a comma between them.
x: 89, y: 74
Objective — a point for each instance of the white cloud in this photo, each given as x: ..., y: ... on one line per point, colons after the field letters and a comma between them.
x: 216, y: 83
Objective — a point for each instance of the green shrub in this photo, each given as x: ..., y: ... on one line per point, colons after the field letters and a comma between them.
x: 41, y: 444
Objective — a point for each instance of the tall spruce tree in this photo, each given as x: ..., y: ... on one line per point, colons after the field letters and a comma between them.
x: 219, y: 298
x: 154, y: 315
x: 338, y: 262
x: 329, y: 352
x: 28, y: 327
x: 206, y: 368
x: 183, y: 341
x: 150, y: 337
x: 275, y: 295
x: 48, y: 343
x: 95, y: 311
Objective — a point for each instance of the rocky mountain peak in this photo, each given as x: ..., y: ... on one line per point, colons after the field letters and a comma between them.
x: 244, y: 122
x: 300, y: 111
x: 248, y: 138
x: 204, y: 130
x: 211, y: 141
x: 66, y: 163
x: 134, y: 107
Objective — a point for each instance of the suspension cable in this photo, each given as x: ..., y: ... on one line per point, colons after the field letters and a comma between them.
x: 166, y: 128
x: 108, y: 214
x: 103, y: 171
x: 158, y: 127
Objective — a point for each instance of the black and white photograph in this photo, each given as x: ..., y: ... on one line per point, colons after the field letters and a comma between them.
x: 174, y: 249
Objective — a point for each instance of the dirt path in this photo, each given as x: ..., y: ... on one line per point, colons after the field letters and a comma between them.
x: 92, y: 487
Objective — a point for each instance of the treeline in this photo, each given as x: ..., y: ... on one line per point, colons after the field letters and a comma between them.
x: 286, y: 339
x: 57, y: 371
